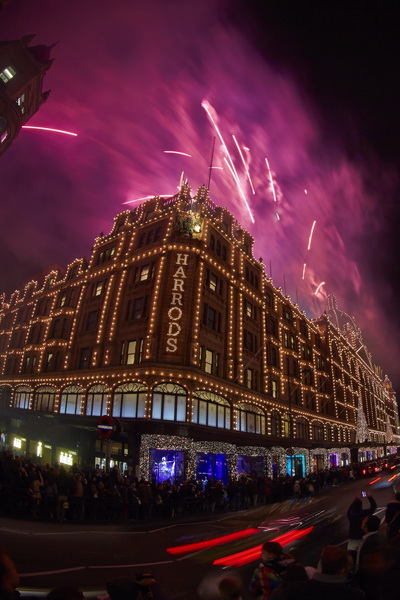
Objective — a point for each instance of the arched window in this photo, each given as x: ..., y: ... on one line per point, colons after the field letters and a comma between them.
x: 44, y: 398
x: 129, y: 400
x: 335, y: 434
x: 22, y: 397
x: 318, y: 431
x: 5, y: 396
x: 71, y: 400
x: 286, y: 425
x: 210, y: 409
x: 275, y: 424
x: 169, y: 402
x: 96, y: 403
x: 250, y: 418
x: 328, y: 433
x: 302, y: 428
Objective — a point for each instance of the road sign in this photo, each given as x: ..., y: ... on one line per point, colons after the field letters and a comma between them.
x: 106, y: 427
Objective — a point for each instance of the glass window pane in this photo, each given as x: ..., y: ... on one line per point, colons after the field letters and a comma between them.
x: 212, y: 414
x: 203, y: 413
x: 169, y: 407
x: 251, y: 425
x: 141, y: 405
x: 181, y: 409
x: 116, y: 412
x: 156, y: 409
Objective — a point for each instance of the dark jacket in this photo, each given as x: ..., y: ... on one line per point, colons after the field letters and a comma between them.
x: 325, y: 587
x: 356, y: 514
x: 392, y: 518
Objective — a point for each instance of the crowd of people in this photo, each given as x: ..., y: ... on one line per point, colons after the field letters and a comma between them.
x: 57, y: 493
x: 368, y: 569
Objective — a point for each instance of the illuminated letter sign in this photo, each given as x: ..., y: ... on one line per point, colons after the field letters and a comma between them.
x: 175, y: 312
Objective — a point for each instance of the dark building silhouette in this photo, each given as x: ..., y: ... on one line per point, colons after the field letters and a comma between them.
x: 22, y: 69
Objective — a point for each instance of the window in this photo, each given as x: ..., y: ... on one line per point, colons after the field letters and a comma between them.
x: 96, y: 403
x: 271, y: 325
x: 212, y: 242
x: 273, y: 355
x: 98, y: 288
x: 136, y: 308
x: 251, y: 277
x: 318, y: 431
x: 44, y: 398
x: 129, y: 400
x: 214, y: 283
x: 21, y: 103
x: 84, y: 358
x: 209, y: 360
x: 211, y: 318
x: 144, y: 272
x: 63, y: 300
x: 302, y: 428
x: 250, y: 379
x: 7, y: 74
x: 43, y: 307
x: 149, y: 236
x: 91, y: 320
x: 306, y: 352
x: 131, y: 352
x: 250, y: 418
x: 105, y: 255
x: 249, y: 341
x: 22, y: 397
x: 303, y: 328
x: 274, y: 388
x: 71, y: 400
x: 289, y: 340
x: 275, y: 424
x: 211, y: 410
x: 309, y: 402
x: 169, y: 402
x: 28, y: 366
x: 287, y: 315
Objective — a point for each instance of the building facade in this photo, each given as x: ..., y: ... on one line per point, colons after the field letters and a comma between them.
x: 205, y: 369
x: 22, y: 69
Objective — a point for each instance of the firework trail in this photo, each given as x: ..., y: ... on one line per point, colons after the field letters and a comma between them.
x: 244, y: 163
x: 207, y: 107
x: 50, y: 129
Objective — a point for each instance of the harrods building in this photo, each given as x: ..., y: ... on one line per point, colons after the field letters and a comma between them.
x: 204, y: 368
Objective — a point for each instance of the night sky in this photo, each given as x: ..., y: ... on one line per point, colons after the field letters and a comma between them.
x: 312, y: 86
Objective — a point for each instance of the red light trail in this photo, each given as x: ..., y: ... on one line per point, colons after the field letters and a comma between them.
x: 374, y: 481
x: 242, y: 558
x: 214, y: 542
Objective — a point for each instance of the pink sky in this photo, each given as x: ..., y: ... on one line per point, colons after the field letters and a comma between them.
x: 130, y: 78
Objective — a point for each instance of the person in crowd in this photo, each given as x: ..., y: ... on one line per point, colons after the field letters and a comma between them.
x: 355, y: 515
x: 65, y: 593
x: 9, y: 578
x: 332, y: 582
x: 371, y: 562
x: 230, y: 588
x: 36, y: 487
x: 392, y: 517
x: 294, y: 572
x: 268, y: 574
